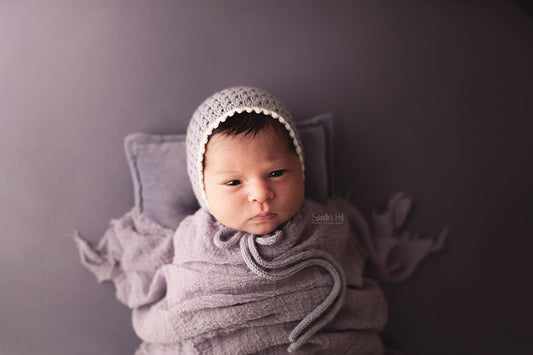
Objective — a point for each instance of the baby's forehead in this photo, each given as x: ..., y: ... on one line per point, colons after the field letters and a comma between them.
x: 267, y: 140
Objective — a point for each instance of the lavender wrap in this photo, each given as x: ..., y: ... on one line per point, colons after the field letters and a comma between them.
x: 190, y: 296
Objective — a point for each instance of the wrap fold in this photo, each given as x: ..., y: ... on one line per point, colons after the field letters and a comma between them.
x: 192, y: 293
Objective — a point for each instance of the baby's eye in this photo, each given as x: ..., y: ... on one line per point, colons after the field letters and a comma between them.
x: 233, y: 182
x: 277, y: 173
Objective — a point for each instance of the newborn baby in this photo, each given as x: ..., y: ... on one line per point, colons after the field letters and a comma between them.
x: 253, y: 270
x: 280, y: 276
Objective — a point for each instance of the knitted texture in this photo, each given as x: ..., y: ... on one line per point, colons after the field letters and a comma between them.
x: 216, y: 109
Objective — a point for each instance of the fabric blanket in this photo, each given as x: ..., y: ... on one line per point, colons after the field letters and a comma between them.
x: 208, y: 289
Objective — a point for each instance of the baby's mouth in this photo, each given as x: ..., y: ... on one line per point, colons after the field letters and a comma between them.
x: 263, y: 217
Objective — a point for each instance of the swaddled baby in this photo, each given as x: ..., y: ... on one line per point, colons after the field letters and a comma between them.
x: 252, y: 270
x: 258, y: 268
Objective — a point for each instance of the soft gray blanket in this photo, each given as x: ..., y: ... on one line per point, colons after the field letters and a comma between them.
x: 207, y: 289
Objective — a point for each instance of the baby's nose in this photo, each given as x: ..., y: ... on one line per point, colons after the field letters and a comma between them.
x: 260, y: 192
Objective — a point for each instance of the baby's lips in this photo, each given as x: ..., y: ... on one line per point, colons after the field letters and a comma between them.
x: 263, y: 217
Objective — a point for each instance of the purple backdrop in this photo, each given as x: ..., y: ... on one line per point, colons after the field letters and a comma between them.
x: 431, y: 97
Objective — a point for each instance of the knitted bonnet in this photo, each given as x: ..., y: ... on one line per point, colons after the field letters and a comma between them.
x: 216, y: 109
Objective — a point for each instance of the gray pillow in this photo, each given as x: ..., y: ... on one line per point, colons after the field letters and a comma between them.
x: 162, y: 190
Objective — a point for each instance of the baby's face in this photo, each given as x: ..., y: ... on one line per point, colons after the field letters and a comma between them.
x: 252, y: 183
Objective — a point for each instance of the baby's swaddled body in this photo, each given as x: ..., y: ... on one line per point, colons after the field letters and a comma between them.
x: 210, y: 301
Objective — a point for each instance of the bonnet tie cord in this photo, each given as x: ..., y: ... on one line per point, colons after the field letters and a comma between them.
x: 285, y: 268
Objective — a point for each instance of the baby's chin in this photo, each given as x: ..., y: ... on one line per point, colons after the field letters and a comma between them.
x: 260, y: 224
x: 260, y: 228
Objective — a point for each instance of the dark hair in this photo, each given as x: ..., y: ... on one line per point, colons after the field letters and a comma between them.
x: 249, y: 124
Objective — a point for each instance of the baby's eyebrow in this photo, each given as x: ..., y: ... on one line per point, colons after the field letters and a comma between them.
x: 274, y: 162
x: 225, y: 172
